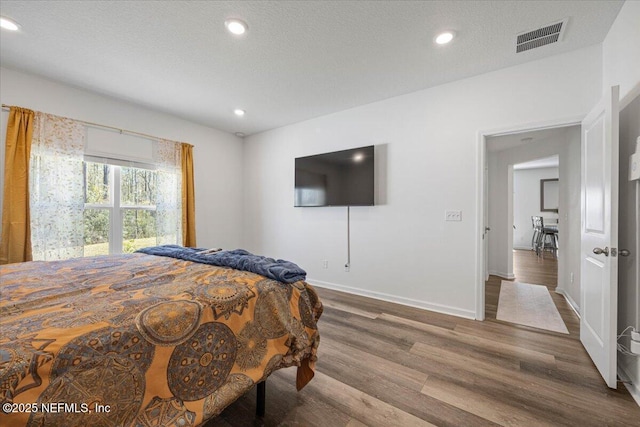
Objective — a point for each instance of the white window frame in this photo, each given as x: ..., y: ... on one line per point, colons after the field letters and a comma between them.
x: 116, y: 210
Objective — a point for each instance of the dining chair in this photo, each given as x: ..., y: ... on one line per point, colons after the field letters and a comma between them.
x: 547, y: 237
x: 535, y: 224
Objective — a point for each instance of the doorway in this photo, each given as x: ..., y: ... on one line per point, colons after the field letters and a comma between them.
x: 511, y: 160
x: 597, y: 231
x: 536, y: 221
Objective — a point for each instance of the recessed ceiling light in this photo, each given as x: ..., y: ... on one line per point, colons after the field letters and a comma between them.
x: 238, y: 112
x: 236, y: 26
x: 444, y: 38
x: 8, y: 24
x: 239, y: 134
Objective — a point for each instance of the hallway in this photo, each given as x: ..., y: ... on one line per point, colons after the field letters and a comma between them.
x: 529, y: 268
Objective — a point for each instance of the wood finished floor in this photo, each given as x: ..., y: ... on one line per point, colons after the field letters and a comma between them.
x: 536, y: 270
x: 383, y: 364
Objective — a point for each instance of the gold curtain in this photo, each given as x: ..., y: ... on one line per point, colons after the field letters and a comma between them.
x: 188, y: 198
x: 15, y: 244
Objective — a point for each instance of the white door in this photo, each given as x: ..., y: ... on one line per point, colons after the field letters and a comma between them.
x: 599, y: 234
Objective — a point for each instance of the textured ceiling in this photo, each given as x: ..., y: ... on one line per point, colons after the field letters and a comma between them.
x: 297, y: 61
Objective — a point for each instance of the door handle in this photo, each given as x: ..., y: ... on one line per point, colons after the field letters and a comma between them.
x: 487, y: 229
x: 624, y: 252
x: 599, y: 251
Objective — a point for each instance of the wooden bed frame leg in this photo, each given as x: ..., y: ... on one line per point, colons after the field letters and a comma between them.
x: 260, y: 402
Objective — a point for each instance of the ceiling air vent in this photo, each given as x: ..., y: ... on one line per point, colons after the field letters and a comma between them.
x: 548, y: 34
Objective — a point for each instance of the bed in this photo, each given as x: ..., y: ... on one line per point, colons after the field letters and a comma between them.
x: 145, y: 339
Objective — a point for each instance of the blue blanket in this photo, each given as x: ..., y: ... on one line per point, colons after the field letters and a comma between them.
x: 281, y: 270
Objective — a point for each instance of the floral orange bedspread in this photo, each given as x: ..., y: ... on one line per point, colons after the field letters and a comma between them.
x: 142, y: 340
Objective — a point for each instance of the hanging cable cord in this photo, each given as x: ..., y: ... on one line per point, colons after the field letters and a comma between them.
x: 348, y: 265
x: 621, y: 347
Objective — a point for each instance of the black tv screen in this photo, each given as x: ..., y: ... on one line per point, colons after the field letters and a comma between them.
x: 341, y: 178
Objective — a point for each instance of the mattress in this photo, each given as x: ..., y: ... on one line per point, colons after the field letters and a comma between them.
x: 144, y: 340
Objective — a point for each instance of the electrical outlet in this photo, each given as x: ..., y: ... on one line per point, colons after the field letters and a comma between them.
x: 325, y: 263
x: 635, y: 347
x: 347, y: 268
x: 453, y: 216
x: 635, y: 335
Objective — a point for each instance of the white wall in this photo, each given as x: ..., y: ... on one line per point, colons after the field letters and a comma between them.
x: 217, y: 154
x: 621, y: 52
x: 569, y: 221
x: 621, y: 66
x: 565, y: 143
x: 526, y: 203
x: 403, y: 249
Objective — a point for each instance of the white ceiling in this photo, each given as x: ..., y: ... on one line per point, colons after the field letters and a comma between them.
x: 511, y: 140
x: 298, y: 60
x: 547, y: 162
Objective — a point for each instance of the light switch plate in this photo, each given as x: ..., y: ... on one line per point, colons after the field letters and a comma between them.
x: 634, y: 163
x: 453, y: 216
x: 634, y: 167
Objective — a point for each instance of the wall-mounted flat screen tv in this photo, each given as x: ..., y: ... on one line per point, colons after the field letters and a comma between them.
x: 340, y: 178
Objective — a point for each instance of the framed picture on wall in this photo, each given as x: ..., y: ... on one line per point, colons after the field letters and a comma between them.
x: 549, y: 195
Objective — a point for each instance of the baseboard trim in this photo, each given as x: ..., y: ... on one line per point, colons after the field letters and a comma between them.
x: 502, y: 274
x: 523, y: 248
x: 633, y: 388
x: 439, y: 308
x: 570, y: 300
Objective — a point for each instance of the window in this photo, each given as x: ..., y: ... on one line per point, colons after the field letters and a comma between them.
x: 120, y: 212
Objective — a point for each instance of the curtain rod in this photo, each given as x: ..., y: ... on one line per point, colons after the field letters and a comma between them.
x: 121, y: 131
